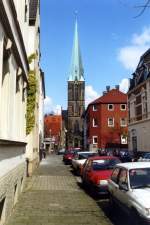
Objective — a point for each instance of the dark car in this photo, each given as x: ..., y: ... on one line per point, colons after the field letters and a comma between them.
x: 145, y: 157
x: 125, y: 156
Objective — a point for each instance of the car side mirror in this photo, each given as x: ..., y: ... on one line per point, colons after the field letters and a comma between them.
x: 123, y: 186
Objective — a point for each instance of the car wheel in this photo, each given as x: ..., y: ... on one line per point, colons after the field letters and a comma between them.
x: 134, y: 218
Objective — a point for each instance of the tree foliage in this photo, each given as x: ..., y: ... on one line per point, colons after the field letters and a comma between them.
x: 31, y: 101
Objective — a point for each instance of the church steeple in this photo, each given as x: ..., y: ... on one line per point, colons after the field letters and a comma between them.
x: 76, y: 70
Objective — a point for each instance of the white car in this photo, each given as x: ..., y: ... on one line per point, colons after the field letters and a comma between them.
x: 129, y: 188
x: 80, y: 158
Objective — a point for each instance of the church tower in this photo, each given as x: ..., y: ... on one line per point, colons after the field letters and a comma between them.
x: 76, y: 96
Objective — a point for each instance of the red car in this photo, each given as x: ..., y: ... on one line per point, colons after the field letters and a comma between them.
x: 69, y: 155
x: 96, y: 172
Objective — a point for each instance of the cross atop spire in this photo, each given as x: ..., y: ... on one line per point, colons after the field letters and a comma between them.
x: 76, y: 70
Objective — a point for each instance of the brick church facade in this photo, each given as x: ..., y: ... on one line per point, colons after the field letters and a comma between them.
x: 76, y: 97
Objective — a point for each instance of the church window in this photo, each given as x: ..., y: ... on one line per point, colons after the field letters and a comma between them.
x: 76, y: 92
x: 76, y: 126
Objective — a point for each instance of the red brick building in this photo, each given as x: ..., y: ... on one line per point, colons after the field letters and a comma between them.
x: 106, y: 121
x: 52, y: 128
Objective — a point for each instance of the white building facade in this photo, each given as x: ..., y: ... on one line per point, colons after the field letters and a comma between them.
x: 13, y: 84
x: 139, y: 106
x: 35, y: 138
x: 19, y: 38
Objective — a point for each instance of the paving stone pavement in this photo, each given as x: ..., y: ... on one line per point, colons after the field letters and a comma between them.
x: 53, y: 197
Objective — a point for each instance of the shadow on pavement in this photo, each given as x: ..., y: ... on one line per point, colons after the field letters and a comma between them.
x: 116, y: 216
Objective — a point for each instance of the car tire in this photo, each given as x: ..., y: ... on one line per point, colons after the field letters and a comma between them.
x: 134, y: 217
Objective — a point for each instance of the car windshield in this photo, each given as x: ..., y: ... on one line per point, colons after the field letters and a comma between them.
x: 104, y: 164
x: 139, y: 178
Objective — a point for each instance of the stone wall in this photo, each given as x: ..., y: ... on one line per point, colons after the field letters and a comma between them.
x: 11, y: 185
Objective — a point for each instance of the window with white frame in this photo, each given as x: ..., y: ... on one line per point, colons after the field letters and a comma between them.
x: 95, y: 107
x: 110, y: 107
x: 123, y: 107
x: 110, y: 122
x: 95, y: 122
x: 123, y: 122
x: 95, y: 139
x: 124, y: 139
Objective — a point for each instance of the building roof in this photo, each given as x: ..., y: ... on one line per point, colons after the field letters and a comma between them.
x: 142, y: 72
x: 113, y: 96
x: 76, y: 70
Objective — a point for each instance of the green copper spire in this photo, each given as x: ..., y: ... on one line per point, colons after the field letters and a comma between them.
x: 76, y: 70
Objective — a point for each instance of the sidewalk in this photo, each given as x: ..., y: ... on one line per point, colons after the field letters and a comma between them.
x: 52, y: 197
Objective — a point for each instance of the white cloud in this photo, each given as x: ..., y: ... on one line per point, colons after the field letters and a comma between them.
x: 90, y: 94
x: 129, y: 55
x: 143, y: 38
x: 124, y: 85
x: 49, y: 106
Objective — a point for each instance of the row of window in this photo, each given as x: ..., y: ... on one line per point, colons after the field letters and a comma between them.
x: 111, y: 107
x: 111, y: 122
x: 95, y: 140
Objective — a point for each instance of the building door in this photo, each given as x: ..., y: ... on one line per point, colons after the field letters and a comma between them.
x: 134, y: 144
x: 76, y: 143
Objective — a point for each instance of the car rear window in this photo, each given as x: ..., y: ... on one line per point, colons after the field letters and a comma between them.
x: 104, y: 164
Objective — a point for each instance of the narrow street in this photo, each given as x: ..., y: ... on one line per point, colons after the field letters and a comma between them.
x: 54, y: 197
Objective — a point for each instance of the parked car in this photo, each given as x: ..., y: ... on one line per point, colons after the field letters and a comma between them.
x: 80, y: 158
x: 96, y: 172
x: 129, y: 188
x: 69, y: 155
x: 125, y: 156
x: 61, y: 151
x: 145, y: 157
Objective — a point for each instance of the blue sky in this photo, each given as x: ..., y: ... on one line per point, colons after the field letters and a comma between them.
x: 111, y: 42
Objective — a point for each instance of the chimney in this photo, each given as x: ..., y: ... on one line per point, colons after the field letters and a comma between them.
x: 104, y: 93
x: 107, y: 88
x: 117, y: 87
